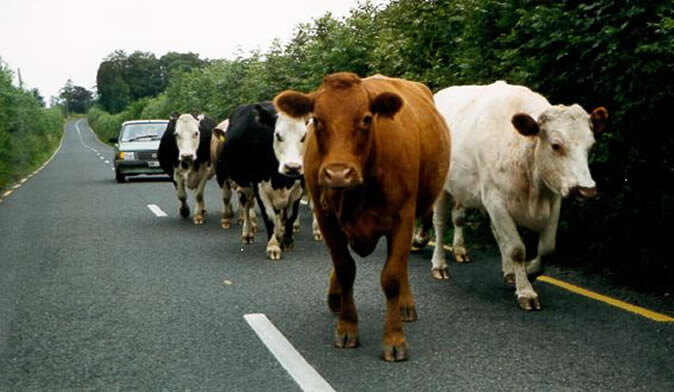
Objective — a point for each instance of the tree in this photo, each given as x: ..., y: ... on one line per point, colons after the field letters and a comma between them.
x: 113, y: 91
x: 76, y: 99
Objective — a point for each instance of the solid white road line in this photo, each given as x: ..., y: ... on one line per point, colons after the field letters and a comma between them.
x: 155, y: 209
x: 299, y: 369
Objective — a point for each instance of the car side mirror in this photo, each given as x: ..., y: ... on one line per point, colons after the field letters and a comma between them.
x: 113, y: 139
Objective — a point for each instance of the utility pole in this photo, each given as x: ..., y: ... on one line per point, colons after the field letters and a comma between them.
x: 20, y: 80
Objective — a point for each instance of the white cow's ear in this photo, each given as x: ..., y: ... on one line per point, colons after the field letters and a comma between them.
x: 598, y: 119
x: 294, y: 103
x: 525, y: 124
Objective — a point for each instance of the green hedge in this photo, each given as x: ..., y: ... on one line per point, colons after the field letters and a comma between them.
x: 29, y: 133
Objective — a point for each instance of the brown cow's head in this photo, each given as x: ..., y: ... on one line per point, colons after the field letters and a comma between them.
x: 344, y: 114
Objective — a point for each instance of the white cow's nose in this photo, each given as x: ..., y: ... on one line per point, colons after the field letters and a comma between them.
x: 292, y: 169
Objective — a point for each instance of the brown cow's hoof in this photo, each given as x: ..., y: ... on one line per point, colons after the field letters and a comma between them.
x: 408, y: 313
x: 226, y: 223
x: 346, y: 339
x: 395, y: 353
x: 440, y: 273
x: 318, y: 236
x: 529, y: 302
x: 199, y: 219
x: 184, y: 211
x: 334, y: 303
x: 509, y: 280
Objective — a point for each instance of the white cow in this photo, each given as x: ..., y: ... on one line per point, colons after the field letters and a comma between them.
x: 289, y: 135
x: 515, y: 156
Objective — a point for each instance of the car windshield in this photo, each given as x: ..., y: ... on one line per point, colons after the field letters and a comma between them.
x: 147, y: 131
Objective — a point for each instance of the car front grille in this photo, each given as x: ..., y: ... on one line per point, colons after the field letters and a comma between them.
x: 146, y: 155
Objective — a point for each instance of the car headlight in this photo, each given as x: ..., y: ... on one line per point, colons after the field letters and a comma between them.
x: 127, y: 155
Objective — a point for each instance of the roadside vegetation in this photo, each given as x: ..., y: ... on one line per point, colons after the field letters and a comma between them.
x: 29, y: 133
x: 617, y: 54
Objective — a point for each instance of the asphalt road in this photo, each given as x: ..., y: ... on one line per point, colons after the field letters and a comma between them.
x: 98, y: 293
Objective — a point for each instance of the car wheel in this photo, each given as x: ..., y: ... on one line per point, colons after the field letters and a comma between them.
x: 119, y: 177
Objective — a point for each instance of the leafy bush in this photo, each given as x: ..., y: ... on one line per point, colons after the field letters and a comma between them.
x: 29, y: 133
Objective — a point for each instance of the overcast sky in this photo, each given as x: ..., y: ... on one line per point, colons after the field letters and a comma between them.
x: 52, y: 41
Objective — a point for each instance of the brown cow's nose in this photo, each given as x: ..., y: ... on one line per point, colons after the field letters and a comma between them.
x: 582, y: 192
x: 339, y: 176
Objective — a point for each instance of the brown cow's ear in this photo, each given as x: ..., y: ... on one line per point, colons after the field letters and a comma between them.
x: 294, y: 103
x: 525, y: 124
x: 598, y: 119
x: 219, y: 133
x: 386, y: 104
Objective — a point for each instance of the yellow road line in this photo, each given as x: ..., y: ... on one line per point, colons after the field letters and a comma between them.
x: 611, y: 301
x: 596, y: 296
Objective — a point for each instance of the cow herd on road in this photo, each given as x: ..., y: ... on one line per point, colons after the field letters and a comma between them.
x: 374, y: 155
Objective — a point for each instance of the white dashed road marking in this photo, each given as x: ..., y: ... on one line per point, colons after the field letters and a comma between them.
x: 155, y: 209
x: 299, y: 369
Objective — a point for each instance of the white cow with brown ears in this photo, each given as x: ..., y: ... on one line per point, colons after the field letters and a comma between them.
x: 516, y: 156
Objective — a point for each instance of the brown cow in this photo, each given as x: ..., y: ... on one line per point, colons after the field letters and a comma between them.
x: 377, y: 159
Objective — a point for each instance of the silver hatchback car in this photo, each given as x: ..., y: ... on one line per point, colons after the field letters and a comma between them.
x: 136, y: 148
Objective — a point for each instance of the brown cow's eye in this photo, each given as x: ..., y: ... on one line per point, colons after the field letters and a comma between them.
x: 303, y: 137
x: 367, y: 120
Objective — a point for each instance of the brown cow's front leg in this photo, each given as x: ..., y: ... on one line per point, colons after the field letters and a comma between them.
x: 399, y: 299
x: 341, y: 283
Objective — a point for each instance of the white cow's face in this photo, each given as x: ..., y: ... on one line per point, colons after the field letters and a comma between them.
x: 187, y: 139
x: 565, y: 136
x: 289, y: 136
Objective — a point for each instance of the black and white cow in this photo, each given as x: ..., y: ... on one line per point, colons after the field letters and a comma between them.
x: 184, y: 154
x: 248, y: 159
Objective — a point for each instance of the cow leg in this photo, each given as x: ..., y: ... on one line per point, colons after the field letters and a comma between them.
x: 342, y: 276
x: 227, y: 211
x: 458, y: 244
x: 395, y: 283
x: 200, y: 213
x: 315, y: 229
x: 513, y: 251
x: 183, y: 208
x: 296, y: 224
x: 440, y: 269
x: 546, y: 242
x: 246, y: 206
x: 421, y: 237
x: 272, y: 223
x: 292, y: 217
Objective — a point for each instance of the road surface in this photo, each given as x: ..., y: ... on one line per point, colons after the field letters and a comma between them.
x: 99, y: 293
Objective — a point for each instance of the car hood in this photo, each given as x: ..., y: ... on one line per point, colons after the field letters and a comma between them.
x: 140, y: 145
